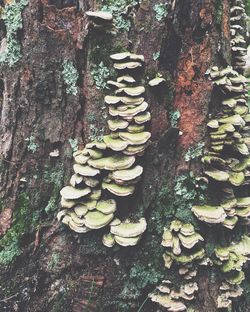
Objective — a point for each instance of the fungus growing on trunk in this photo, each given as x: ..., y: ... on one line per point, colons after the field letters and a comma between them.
x: 110, y: 163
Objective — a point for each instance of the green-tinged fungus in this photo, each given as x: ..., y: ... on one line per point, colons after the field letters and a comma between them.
x: 217, y: 175
x: 156, y: 81
x: 116, y: 144
x: 85, y: 170
x: 127, y: 241
x: 119, y: 190
x: 117, y: 124
x: 209, y: 214
x: 69, y: 192
x: 127, y: 65
x: 107, y: 206
x: 128, y: 174
x: 113, y: 163
x: 129, y: 229
x: 108, y: 240
x: 135, y: 138
x: 97, y: 219
x: 105, y: 16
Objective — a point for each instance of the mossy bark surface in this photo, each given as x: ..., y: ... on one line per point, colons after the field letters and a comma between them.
x: 48, y: 267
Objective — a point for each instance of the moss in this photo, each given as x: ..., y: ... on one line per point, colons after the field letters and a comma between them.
x: 164, y: 93
x: 147, y: 271
x: 177, y: 202
x: 54, y: 177
x: 10, y: 244
x: 100, y: 48
x: 246, y: 294
x: 170, y: 87
x: 101, y: 69
x: 100, y: 74
x: 62, y: 303
x: 219, y: 11
x: 54, y: 260
x: 247, y: 6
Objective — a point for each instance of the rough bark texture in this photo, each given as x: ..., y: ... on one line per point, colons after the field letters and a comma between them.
x: 58, y: 270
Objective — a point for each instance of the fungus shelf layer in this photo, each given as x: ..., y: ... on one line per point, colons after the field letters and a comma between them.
x: 108, y: 169
x: 226, y: 164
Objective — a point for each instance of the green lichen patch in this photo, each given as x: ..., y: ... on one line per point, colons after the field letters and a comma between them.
x: 161, y: 11
x: 12, y: 16
x: 100, y: 74
x: 120, y: 10
x: 32, y: 144
x: 194, y: 152
x: 70, y: 77
x: 174, y: 118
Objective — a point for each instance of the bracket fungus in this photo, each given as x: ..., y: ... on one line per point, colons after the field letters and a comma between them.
x: 156, y: 81
x: 109, y: 167
x: 100, y: 19
x: 227, y: 292
x: 183, y: 244
x: 227, y: 166
x: 172, y: 298
x: 125, y: 233
x: 232, y: 258
x: 229, y: 135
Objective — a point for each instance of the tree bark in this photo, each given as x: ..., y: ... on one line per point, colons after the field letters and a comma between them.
x: 56, y: 269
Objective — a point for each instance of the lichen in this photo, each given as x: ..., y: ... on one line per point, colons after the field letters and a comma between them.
x: 70, y: 77
x: 12, y: 16
x: 100, y: 74
x: 174, y: 118
x: 32, y: 145
x: 73, y: 144
x: 194, y: 152
x: 119, y: 10
x: 161, y: 11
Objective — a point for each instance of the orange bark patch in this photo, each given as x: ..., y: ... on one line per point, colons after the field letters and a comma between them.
x: 192, y: 116
x: 186, y: 75
x: 192, y: 93
x: 225, y: 20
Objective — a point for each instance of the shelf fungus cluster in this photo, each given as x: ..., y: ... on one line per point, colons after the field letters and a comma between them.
x: 227, y: 292
x: 237, y: 17
x: 227, y: 162
x: 184, y: 249
x: 107, y: 170
x: 232, y: 258
x: 174, y: 299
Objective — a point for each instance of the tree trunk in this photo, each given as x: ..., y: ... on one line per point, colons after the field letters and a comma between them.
x: 44, y: 265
